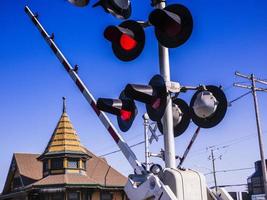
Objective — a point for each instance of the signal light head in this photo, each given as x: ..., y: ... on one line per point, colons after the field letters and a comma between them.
x: 79, y: 3
x: 128, y: 113
x: 153, y: 95
x: 208, y: 107
x: 173, y: 25
x: 155, y: 169
x: 128, y: 39
x: 127, y: 42
x: 124, y: 108
x: 156, y: 107
x: 121, y: 9
x: 125, y: 115
x: 181, y: 117
x: 205, y: 104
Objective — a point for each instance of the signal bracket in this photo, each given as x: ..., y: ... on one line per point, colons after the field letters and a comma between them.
x: 186, y: 88
x: 173, y: 87
x: 156, y: 2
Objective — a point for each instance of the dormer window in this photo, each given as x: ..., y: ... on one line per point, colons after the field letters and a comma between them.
x: 84, y: 164
x: 45, y: 166
x: 56, y: 163
x: 73, y: 163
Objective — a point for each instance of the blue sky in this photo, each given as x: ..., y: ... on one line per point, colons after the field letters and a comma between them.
x: 227, y: 36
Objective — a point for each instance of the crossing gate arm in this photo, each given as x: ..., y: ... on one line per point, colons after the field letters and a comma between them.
x: 124, y: 147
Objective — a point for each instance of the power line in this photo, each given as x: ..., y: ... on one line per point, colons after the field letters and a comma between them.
x: 106, y: 154
x: 116, y: 151
x: 226, y: 143
x: 231, y: 170
x: 232, y: 185
x: 109, y: 147
x: 240, y: 97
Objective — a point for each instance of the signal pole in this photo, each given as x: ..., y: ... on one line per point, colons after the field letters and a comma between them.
x: 146, y: 127
x: 254, y: 89
x: 167, y: 119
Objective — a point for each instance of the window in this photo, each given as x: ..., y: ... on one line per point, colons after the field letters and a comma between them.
x: 73, y: 196
x: 45, y: 166
x: 106, y: 196
x: 84, y: 164
x: 86, y: 195
x: 57, y: 196
x: 56, y: 163
x: 73, y: 163
x: 16, y: 182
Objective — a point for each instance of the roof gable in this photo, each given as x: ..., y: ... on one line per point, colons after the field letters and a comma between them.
x: 24, y: 170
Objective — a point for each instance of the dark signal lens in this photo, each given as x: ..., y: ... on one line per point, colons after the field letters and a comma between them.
x: 173, y: 29
x: 127, y: 42
x: 156, y: 103
x: 125, y: 115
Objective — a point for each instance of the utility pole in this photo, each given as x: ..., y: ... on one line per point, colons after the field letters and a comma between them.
x: 214, y: 170
x: 254, y: 89
x: 213, y: 158
x: 167, y: 120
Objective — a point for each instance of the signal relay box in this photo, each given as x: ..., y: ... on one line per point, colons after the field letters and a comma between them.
x: 185, y: 184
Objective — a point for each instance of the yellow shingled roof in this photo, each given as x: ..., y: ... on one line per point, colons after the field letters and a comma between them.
x: 64, y: 138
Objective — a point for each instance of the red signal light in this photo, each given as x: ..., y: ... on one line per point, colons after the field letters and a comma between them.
x: 125, y: 115
x: 156, y: 103
x: 127, y: 42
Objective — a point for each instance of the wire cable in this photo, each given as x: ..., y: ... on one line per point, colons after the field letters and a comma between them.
x: 134, y: 145
x: 231, y: 170
x: 240, y: 97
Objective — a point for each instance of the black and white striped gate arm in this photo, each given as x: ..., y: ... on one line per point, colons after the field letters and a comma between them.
x: 124, y: 147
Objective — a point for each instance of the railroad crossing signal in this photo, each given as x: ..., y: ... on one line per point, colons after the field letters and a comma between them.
x: 124, y: 108
x: 181, y: 117
x: 121, y: 9
x: 128, y: 39
x: 208, y: 106
x: 173, y: 25
x: 154, y: 95
x: 79, y: 3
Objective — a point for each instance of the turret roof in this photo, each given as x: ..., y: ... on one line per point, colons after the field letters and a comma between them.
x: 64, y: 139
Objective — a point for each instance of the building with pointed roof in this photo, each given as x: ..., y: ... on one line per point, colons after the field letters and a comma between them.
x: 66, y: 170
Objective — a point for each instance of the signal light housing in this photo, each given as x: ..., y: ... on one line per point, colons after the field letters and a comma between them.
x: 128, y: 39
x: 173, y: 25
x: 121, y: 9
x: 208, y: 107
x: 79, y: 3
x: 181, y: 117
x: 124, y: 108
x: 153, y: 95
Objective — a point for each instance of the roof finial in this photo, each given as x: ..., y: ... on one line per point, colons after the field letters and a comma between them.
x: 64, y: 104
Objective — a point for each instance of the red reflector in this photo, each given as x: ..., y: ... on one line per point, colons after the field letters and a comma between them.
x: 156, y: 103
x: 127, y: 42
x: 126, y: 115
